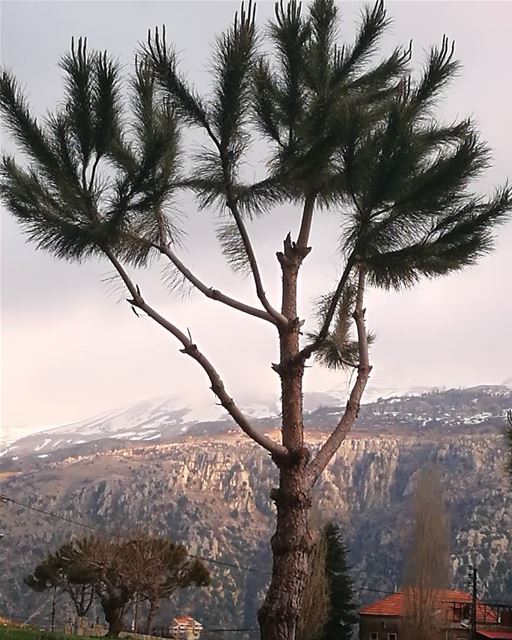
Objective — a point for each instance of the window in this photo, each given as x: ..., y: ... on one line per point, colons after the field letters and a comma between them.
x: 374, y: 635
x: 392, y: 636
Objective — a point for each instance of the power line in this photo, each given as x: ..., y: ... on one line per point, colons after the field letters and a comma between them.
x: 390, y: 593
x: 50, y: 514
x: 5, y: 499
x: 44, y: 619
x: 155, y: 465
x: 223, y: 563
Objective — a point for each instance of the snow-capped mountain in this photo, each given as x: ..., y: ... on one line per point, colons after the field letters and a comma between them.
x: 167, y: 419
x: 149, y: 420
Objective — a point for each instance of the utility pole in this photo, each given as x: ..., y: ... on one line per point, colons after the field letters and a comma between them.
x: 54, y: 600
x: 473, y: 581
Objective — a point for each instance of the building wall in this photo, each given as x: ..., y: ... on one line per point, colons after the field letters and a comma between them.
x: 375, y: 624
x: 387, y: 625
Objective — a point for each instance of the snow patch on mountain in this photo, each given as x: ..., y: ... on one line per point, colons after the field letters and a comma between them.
x: 167, y: 418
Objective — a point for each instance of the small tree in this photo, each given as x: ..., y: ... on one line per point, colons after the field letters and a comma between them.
x: 158, y: 567
x: 344, y: 133
x: 427, y: 569
x: 55, y: 572
x: 342, y: 610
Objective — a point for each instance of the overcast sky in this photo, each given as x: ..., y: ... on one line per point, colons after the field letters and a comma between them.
x: 72, y: 348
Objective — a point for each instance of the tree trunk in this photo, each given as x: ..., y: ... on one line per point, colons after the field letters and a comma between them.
x: 291, y: 547
x: 114, y: 617
x: 292, y: 542
x: 151, y: 616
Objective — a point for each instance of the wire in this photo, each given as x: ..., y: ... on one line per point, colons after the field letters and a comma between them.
x: 50, y: 514
x: 390, y: 593
x: 44, y: 619
x: 5, y: 499
x: 223, y: 563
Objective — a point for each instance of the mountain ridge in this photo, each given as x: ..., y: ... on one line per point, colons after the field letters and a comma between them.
x: 162, y: 419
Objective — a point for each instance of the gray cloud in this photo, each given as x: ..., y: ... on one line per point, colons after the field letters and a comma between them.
x: 71, y: 348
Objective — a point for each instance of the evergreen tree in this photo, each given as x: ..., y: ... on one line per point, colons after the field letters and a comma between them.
x: 56, y: 572
x: 342, y: 612
x: 345, y: 133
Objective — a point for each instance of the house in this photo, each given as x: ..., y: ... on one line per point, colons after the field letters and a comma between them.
x: 384, y: 619
x: 185, y: 628
x: 494, y: 634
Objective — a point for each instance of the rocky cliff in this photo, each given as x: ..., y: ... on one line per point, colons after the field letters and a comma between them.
x: 212, y: 493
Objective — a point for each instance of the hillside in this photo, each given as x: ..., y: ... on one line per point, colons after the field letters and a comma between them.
x: 212, y: 490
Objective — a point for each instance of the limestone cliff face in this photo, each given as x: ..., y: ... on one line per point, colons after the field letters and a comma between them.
x: 213, y: 495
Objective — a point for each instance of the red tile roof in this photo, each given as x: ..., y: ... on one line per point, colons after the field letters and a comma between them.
x: 394, y: 605
x: 390, y: 606
x: 183, y: 619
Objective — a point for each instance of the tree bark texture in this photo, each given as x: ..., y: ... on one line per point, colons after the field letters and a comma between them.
x: 292, y: 541
x: 291, y: 548
x: 151, y: 616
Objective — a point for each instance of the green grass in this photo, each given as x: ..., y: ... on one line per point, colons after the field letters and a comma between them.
x: 29, y: 633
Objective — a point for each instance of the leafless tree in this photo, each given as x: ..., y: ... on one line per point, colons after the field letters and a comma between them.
x: 314, y: 610
x: 427, y: 569
x: 157, y: 568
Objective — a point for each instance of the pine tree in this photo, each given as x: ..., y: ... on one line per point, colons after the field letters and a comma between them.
x: 345, y: 133
x: 55, y: 572
x: 342, y: 614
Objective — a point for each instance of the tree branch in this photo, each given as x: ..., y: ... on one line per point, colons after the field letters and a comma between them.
x: 279, y: 318
x: 93, y: 172
x: 307, y: 218
x: 191, y: 349
x: 333, y: 442
x: 310, y: 348
x: 210, y: 292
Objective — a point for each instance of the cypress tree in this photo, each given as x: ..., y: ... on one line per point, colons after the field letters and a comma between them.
x: 342, y: 614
